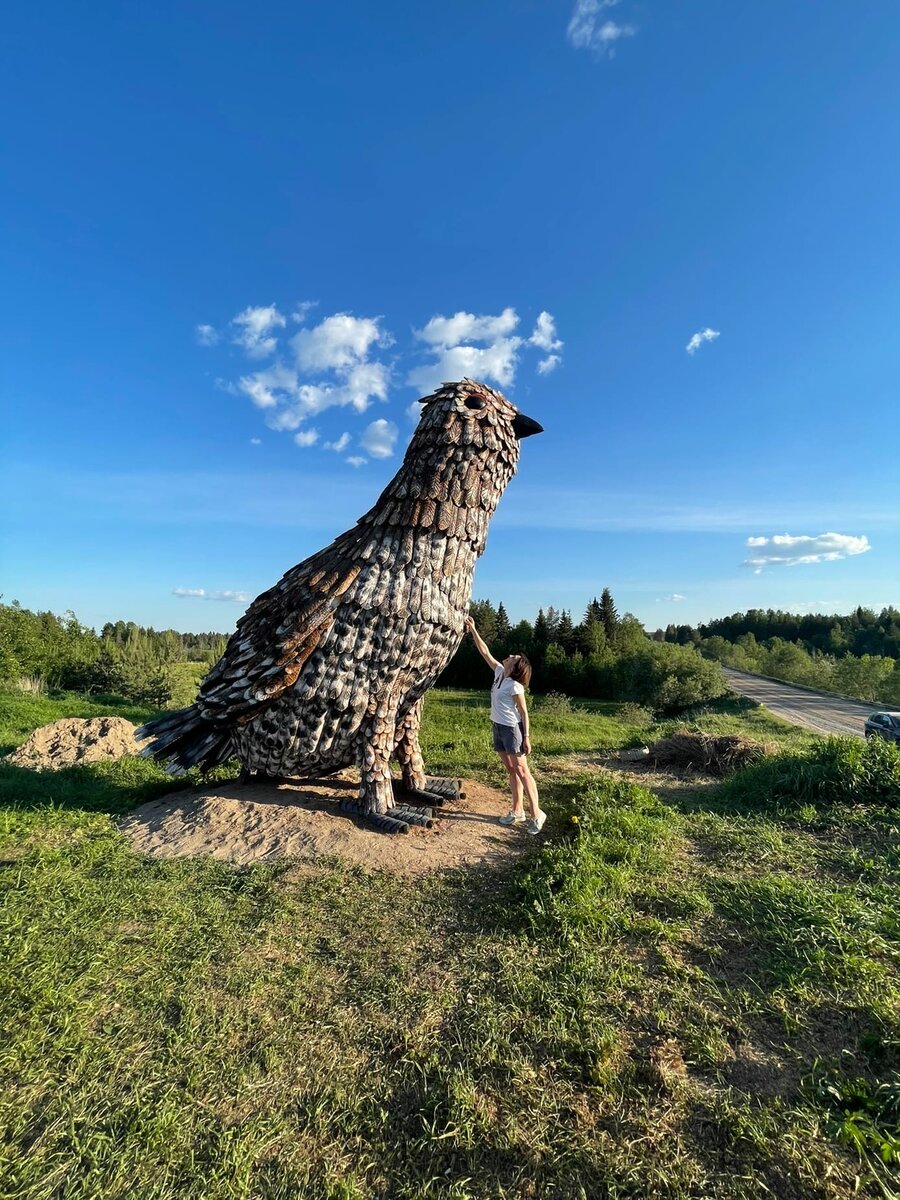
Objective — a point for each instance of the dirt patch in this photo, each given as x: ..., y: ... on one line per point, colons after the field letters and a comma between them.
x: 673, y: 785
x: 262, y: 822
x: 75, y: 740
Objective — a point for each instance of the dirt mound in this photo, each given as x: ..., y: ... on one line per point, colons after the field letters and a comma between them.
x: 256, y: 822
x: 76, y: 740
x: 717, y: 755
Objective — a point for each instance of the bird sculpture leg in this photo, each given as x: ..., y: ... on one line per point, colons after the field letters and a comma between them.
x: 376, y: 794
x: 407, y: 752
x: 414, y: 783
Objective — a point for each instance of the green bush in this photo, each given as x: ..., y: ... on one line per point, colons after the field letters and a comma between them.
x: 837, y: 770
x: 555, y: 702
x: 636, y: 715
x: 666, y: 677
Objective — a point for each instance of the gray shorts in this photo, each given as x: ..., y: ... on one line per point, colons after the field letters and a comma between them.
x: 507, y: 738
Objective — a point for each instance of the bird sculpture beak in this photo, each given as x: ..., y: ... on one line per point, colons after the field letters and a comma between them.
x: 524, y: 427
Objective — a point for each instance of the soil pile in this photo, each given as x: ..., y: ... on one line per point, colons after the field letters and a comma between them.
x: 76, y: 740
x: 267, y: 821
x: 717, y: 755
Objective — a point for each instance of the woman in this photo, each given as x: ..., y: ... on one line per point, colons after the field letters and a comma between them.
x: 509, y: 719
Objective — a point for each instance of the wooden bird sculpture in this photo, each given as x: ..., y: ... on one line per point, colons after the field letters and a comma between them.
x: 328, y: 668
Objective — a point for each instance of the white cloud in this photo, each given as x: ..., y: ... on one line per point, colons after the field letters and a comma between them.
x: 271, y: 387
x: 466, y: 327
x: 256, y: 441
x: 672, y: 598
x: 588, y: 31
x: 813, y: 606
x: 379, y: 438
x: 357, y: 460
x: 340, y: 444
x: 306, y: 437
x: 787, y: 551
x: 544, y: 335
x: 365, y: 381
x: 206, y: 335
x: 335, y: 363
x: 254, y: 330
x: 337, y: 343
x: 303, y: 308
x: 480, y: 346
x: 203, y: 594
x: 496, y: 362
x: 705, y: 335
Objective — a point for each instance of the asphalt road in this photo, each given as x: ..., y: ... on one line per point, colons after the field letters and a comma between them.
x: 815, y: 710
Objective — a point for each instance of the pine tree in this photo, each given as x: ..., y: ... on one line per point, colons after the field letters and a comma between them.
x: 485, y: 619
x: 592, y: 613
x: 541, y: 636
x: 503, y: 625
x: 565, y: 631
x: 609, y: 618
x: 552, y: 624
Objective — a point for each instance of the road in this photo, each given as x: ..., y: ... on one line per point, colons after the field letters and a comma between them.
x: 815, y: 710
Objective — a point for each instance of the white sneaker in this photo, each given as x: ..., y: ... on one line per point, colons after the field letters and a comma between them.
x: 536, y: 824
x: 512, y: 818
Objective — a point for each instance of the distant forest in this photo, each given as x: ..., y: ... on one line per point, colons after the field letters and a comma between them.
x: 862, y: 632
x: 856, y: 655
x: 603, y: 655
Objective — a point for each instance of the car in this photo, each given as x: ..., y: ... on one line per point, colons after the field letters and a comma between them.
x: 885, y: 725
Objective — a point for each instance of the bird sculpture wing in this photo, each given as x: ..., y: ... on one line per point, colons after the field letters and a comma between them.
x: 276, y: 636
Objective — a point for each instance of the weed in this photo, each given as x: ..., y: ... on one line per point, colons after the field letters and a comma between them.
x: 833, y: 771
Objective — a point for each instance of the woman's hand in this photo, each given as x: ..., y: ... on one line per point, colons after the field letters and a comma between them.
x: 470, y: 624
x: 526, y: 744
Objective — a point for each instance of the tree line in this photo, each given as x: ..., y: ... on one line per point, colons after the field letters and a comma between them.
x: 860, y: 632
x: 857, y: 655
x: 141, y: 664
x: 604, y: 655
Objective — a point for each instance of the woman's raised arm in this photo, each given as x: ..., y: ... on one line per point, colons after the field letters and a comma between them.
x: 481, y: 645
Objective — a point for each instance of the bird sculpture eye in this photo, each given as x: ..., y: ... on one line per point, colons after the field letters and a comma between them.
x: 475, y: 402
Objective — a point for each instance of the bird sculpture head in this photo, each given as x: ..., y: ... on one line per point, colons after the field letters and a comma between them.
x: 462, y: 455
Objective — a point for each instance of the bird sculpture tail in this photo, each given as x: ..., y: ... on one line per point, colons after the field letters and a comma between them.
x: 185, y: 739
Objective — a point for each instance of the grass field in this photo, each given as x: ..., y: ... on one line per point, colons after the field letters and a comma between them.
x: 678, y: 993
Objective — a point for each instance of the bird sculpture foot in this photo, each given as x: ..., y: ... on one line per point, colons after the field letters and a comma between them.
x: 436, y: 792
x: 442, y: 785
x: 383, y: 822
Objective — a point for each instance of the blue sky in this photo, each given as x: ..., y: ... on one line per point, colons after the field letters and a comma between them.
x: 232, y: 231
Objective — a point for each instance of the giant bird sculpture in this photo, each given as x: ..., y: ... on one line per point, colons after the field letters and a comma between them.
x: 328, y: 668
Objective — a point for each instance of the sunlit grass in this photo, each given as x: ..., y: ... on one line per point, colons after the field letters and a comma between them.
x: 690, y: 997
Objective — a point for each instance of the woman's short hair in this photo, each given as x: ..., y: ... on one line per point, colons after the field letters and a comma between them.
x: 521, y: 671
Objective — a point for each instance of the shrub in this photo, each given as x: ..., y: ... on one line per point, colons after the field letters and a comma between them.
x: 555, y: 702
x: 834, y: 771
x: 636, y: 715
x: 667, y: 677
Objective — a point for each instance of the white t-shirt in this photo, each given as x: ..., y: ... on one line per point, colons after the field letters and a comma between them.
x: 503, y: 693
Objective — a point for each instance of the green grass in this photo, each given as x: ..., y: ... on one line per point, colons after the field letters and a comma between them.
x: 690, y: 997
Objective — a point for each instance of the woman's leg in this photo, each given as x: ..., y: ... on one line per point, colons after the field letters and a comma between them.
x: 515, y: 783
x: 526, y: 782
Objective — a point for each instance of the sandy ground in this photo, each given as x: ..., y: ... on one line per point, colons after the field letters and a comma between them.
x: 262, y: 822
x: 75, y: 740
x: 814, y: 710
